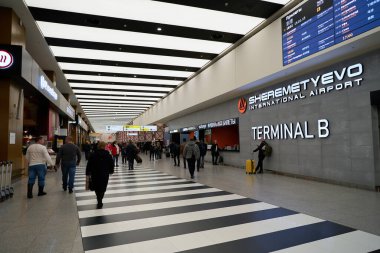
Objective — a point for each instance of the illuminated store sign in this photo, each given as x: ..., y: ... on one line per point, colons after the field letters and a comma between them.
x: 6, y: 59
x: 222, y: 123
x: 173, y: 131
x: 298, y: 130
x: 332, y: 81
x: 45, y: 86
x: 188, y: 129
x: 70, y: 111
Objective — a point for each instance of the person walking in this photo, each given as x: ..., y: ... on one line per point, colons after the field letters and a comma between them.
x: 261, y: 149
x: 86, y: 149
x: 124, y: 153
x: 191, y: 153
x: 69, y: 157
x: 181, y: 149
x: 131, y: 154
x: 37, y: 156
x: 152, y: 151
x: 175, y: 150
x: 198, y: 160
x: 100, y: 165
x: 215, y: 152
x: 115, y: 153
x: 203, y: 151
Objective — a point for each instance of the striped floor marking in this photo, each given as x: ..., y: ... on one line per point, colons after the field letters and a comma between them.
x: 149, y: 211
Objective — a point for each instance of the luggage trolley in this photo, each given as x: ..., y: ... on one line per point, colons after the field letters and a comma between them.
x: 3, y: 195
x: 9, y: 187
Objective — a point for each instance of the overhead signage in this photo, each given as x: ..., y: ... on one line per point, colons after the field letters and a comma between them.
x: 319, y: 24
x: 332, y: 81
x: 297, y: 130
x: 6, y: 59
x: 114, y: 128
x: 136, y: 128
x: 45, y: 86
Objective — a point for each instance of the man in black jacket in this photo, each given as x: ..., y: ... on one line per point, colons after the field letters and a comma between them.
x: 261, y: 149
x: 215, y: 152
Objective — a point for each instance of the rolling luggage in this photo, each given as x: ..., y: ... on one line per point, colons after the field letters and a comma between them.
x: 138, y: 159
x: 250, y: 166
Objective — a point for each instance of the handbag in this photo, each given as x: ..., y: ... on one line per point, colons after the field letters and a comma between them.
x: 89, y: 184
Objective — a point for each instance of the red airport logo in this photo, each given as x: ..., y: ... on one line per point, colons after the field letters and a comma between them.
x: 6, y: 59
x: 242, y: 105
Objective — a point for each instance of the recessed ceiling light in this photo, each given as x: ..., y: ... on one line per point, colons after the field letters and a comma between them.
x: 159, y: 29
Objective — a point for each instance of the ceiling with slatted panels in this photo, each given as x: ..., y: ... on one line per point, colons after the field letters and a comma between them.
x: 121, y: 56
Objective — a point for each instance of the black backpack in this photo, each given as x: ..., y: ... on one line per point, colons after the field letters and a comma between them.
x: 268, y: 150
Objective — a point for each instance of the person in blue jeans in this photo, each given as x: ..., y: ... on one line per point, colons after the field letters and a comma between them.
x: 69, y: 157
x: 37, y: 157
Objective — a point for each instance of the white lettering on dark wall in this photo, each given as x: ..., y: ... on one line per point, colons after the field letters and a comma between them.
x: 336, y: 80
x: 297, y: 130
x: 45, y: 86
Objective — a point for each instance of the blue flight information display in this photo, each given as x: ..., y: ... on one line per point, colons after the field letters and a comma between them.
x: 319, y: 24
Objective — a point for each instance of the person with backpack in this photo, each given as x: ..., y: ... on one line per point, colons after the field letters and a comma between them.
x: 192, y: 154
x: 262, y: 152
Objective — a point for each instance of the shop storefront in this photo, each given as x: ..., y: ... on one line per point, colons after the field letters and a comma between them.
x: 33, y: 104
x: 322, y: 125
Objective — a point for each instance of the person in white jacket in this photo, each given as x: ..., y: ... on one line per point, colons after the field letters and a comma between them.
x: 37, y: 157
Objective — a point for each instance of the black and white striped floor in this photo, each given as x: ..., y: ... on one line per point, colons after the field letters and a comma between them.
x: 148, y: 211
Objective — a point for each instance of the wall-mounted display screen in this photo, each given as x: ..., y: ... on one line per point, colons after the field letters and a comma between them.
x: 319, y: 24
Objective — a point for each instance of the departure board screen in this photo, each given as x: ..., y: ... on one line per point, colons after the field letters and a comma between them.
x: 319, y: 24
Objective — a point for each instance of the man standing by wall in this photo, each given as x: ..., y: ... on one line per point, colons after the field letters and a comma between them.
x: 37, y: 156
x: 261, y: 149
x: 70, y: 156
x: 215, y: 152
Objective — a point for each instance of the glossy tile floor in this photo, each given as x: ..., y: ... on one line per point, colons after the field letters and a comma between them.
x: 156, y: 208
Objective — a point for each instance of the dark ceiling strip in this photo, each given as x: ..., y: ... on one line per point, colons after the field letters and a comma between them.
x: 81, y: 19
x: 90, y: 73
x: 254, y: 8
x: 125, y: 64
x: 150, y: 92
x: 118, y: 83
x: 127, y: 48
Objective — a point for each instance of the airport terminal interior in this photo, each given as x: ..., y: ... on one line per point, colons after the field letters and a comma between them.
x: 163, y: 126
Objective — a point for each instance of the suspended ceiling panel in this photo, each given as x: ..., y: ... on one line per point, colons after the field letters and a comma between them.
x: 121, y: 56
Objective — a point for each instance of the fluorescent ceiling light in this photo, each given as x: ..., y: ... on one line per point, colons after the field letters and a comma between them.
x: 126, y: 57
x: 85, y: 33
x: 112, y: 115
x: 120, y: 102
x: 89, y: 91
x: 121, y: 79
x: 123, y: 70
x: 114, y: 104
x: 106, y: 106
x: 156, y: 12
x: 110, y: 110
x: 118, y: 87
x: 115, y: 97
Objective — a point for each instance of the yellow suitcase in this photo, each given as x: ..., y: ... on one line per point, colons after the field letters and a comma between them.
x: 250, y: 166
